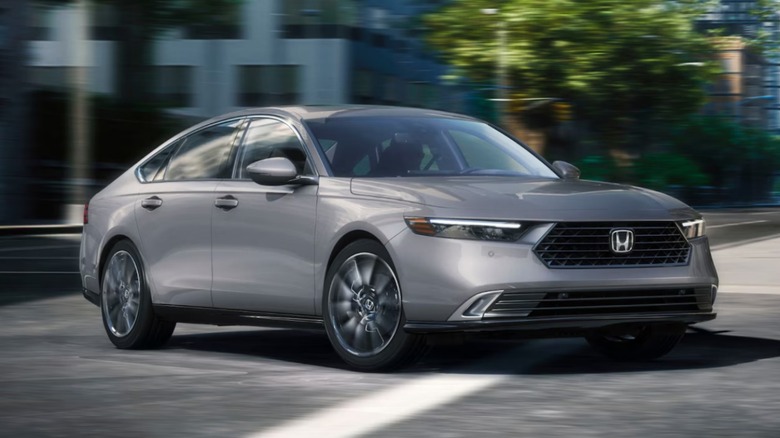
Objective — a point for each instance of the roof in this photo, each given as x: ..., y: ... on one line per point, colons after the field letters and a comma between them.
x: 308, y: 112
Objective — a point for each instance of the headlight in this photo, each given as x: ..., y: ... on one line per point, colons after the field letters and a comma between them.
x: 693, y: 228
x: 467, y: 229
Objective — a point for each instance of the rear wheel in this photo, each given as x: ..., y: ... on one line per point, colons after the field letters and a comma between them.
x: 363, y: 311
x: 125, y: 302
x: 638, y: 344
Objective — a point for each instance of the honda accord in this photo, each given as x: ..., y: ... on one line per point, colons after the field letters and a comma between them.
x: 385, y: 226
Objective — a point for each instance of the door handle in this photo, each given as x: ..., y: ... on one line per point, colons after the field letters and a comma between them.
x: 151, y: 203
x: 228, y: 202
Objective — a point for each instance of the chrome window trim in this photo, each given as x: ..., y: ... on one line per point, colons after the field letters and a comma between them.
x: 171, y: 141
x: 240, y: 146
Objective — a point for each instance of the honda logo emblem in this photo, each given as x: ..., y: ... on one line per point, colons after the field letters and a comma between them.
x: 621, y: 241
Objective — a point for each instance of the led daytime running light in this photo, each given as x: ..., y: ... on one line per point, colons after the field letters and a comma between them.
x: 473, y: 223
x: 470, y: 229
x: 693, y: 228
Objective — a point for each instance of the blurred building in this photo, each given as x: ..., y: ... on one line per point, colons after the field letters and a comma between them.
x: 13, y: 110
x: 748, y: 89
x: 277, y: 52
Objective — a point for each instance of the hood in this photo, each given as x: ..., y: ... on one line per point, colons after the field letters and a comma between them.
x: 543, y: 199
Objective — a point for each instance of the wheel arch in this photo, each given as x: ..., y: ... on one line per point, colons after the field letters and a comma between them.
x: 346, y: 239
x: 105, y: 250
x: 342, y: 242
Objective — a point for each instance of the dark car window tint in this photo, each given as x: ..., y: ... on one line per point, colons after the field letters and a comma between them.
x: 421, y: 146
x: 268, y: 138
x: 363, y: 167
x: 154, y: 169
x: 203, y: 154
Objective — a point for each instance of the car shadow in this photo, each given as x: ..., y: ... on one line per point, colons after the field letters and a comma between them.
x: 490, y: 356
x: 695, y: 351
x: 296, y: 346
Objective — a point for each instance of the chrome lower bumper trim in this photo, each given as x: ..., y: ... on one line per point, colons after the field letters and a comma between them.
x: 557, y: 323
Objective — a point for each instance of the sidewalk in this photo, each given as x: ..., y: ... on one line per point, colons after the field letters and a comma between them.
x: 751, y: 268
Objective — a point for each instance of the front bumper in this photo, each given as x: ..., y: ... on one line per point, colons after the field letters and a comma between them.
x: 92, y: 297
x: 439, y: 276
x: 560, y: 326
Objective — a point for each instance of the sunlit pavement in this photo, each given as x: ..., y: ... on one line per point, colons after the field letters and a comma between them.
x: 60, y: 376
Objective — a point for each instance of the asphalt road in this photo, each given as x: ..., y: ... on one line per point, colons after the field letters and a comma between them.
x: 60, y: 376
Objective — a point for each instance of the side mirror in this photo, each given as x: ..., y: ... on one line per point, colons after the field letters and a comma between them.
x: 566, y: 170
x: 276, y: 171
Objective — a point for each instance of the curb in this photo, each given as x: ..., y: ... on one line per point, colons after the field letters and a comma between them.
x: 37, y: 230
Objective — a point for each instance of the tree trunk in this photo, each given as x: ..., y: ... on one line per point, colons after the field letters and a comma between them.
x: 79, y: 163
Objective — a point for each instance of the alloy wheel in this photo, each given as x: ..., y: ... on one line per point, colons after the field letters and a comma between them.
x: 364, y: 304
x: 121, y: 294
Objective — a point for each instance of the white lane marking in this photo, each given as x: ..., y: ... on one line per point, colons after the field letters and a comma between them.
x: 386, y: 407
x: 65, y: 236
x: 39, y: 272
x: 734, y: 224
x: 392, y: 405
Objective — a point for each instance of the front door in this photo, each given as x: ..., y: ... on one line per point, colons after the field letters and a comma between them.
x: 263, y: 236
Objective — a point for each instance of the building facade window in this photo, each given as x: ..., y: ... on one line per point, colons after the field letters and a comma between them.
x: 220, y: 31
x: 318, y: 18
x: 105, y: 23
x: 392, y: 90
x: 49, y: 78
x: 263, y: 85
x: 173, y: 85
x: 363, y: 86
x: 40, y: 22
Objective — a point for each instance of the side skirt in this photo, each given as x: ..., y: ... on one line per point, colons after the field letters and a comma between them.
x: 205, y: 315
x: 91, y: 296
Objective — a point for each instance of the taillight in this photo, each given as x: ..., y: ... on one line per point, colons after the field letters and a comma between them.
x: 86, y: 213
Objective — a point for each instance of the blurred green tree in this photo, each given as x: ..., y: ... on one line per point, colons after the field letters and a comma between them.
x: 741, y: 160
x: 141, y: 21
x: 622, y: 64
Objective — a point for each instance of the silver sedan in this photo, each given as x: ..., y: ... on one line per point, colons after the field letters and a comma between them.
x: 385, y: 226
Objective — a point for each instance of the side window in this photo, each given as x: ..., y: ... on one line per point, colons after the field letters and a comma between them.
x: 154, y: 169
x: 204, y: 154
x: 268, y: 138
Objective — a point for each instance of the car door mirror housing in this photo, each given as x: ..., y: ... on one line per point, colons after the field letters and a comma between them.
x: 566, y: 170
x: 276, y: 171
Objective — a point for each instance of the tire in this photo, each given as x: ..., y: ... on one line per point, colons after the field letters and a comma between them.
x: 126, y: 304
x: 644, y: 343
x: 363, y: 311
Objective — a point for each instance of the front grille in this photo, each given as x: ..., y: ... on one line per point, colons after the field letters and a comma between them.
x: 587, y: 245
x: 569, y: 303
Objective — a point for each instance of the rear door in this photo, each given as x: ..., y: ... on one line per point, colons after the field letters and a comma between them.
x: 173, y: 214
x: 263, y: 236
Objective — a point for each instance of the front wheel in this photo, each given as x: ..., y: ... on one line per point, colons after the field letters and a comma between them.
x: 363, y: 312
x: 643, y: 343
x: 125, y: 302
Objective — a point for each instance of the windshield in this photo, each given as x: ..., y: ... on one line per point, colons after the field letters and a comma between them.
x: 421, y: 146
